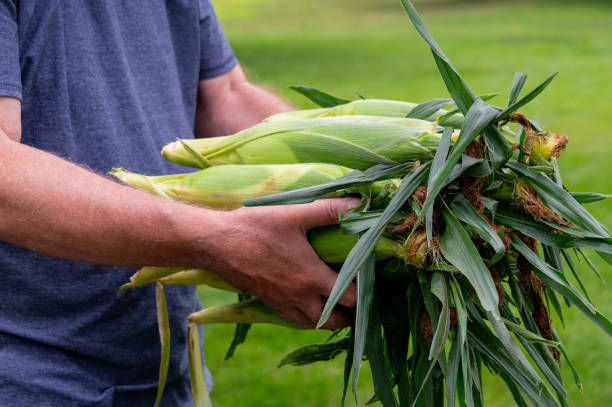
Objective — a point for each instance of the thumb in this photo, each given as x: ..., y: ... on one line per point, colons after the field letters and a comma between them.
x: 325, y: 211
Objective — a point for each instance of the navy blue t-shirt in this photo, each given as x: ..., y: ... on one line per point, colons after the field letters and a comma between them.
x: 103, y: 83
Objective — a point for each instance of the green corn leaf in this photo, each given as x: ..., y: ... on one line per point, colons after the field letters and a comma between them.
x: 517, y: 86
x: 240, y: 335
x: 319, y: 97
x: 572, y: 267
x: 516, y: 393
x: 459, y: 91
x: 360, y: 252
x: 356, y: 222
x: 477, y: 118
x: 575, y: 373
x: 548, y: 235
x: 559, y: 199
x: 315, y: 353
x: 527, y: 334
x: 426, y: 109
x: 589, y: 197
x: 348, y: 364
x: 240, y: 332
x: 365, y: 292
x: 376, y: 356
x: 436, y: 164
x: 163, y: 323
x: 558, y: 281
x: 199, y: 390
x: 452, y: 371
x: 512, y: 348
x: 463, y: 210
x: 499, y: 149
x: 440, y: 290
x: 457, y: 247
x: 526, y: 99
x: 556, y: 305
x: 351, y: 180
x: 497, y: 146
x: 485, y: 342
x: 460, y: 308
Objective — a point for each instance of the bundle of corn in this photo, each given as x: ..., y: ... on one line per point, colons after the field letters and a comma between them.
x: 470, y: 231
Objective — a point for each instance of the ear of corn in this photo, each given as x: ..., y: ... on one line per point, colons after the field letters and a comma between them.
x: 368, y: 107
x: 354, y: 144
x: 225, y: 187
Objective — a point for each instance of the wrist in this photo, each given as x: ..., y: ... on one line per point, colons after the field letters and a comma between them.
x: 196, y: 233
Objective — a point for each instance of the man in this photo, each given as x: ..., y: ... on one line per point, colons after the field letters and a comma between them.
x: 88, y: 85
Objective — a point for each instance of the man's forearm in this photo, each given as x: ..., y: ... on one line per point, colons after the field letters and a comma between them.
x: 52, y: 206
x: 55, y: 207
x: 230, y: 103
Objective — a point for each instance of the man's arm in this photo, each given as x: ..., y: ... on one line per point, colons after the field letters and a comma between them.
x: 52, y: 206
x: 229, y: 103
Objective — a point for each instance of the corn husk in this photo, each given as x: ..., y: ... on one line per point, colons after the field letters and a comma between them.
x: 225, y: 187
x: 357, y: 144
x: 369, y: 107
x: 246, y: 312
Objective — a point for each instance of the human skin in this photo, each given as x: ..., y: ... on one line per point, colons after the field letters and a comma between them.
x: 53, y: 206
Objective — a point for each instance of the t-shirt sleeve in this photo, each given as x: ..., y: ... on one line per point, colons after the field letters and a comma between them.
x: 216, y: 55
x: 10, y: 73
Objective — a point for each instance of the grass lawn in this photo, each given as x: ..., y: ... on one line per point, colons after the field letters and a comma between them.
x: 370, y: 46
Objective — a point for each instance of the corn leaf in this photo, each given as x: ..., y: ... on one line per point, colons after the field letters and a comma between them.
x: 559, y: 199
x: 440, y: 290
x: 319, y: 97
x: 315, y: 353
x: 365, y: 245
x: 558, y: 281
x: 526, y: 99
x: 477, y: 118
x: 353, y: 179
x: 365, y: 293
x: 575, y: 373
x: 356, y: 222
x: 517, y: 86
x: 484, y: 341
x: 548, y: 235
x: 589, y: 197
x: 376, y: 356
x: 426, y: 109
x: 463, y: 210
x: 457, y: 247
x: 436, y: 164
x: 452, y: 371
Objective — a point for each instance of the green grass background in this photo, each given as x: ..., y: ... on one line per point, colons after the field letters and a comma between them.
x: 369, y: 46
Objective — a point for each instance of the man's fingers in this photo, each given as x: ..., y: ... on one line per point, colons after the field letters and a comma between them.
x: 338, y: 318
x: 298, y: 317
x: 348, y: 298
x: 325, y: 211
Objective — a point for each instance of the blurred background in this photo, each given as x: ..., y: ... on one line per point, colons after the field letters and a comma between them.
x: 370, y: 47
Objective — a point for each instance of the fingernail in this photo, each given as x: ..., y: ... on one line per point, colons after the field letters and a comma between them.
x: 352, y: 202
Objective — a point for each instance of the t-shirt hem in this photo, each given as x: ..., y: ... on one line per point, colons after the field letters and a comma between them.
x: 219, y: 69
x: 11, y: 90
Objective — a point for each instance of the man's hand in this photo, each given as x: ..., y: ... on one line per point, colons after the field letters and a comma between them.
x: 264, y: 251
